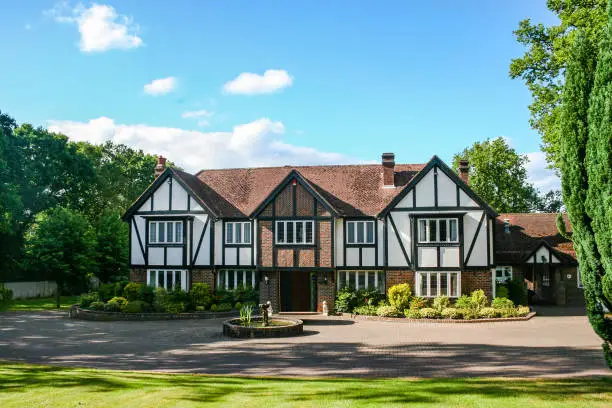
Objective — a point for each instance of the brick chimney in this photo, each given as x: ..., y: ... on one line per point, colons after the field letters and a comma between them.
x: 464, y: 171
x: 388, y: 163
x: 160, y: 166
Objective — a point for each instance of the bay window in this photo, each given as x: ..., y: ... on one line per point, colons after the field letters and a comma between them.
x: 437, y: 230
x: 238, y: 232
x: 295, y: 232
x: 165, y: 232
x: 360, y: 232
x: 230, y: 279
x: 433, y: 284
x: 167, y: 278
x: 361, y: 280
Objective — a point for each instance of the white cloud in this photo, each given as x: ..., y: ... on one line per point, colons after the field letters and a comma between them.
x: 248, y: 83
x: 258, y: 143
x: 100, y: 26
x: 543, y: 179
x: 196, y: 114
x: 161, y: 86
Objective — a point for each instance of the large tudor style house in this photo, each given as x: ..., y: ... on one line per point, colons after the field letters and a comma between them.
x: 300, y: 233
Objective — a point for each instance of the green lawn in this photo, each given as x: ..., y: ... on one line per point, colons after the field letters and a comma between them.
x: 42, y: 303
x: 33, y: 386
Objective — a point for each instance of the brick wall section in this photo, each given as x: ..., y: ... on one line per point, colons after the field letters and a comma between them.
x: 304, y: 201
x: 306, y: 257
x: 284, y: 202
x: 325, y: 292
x: 473, y: 280
x: 393, y: 278
x: 271, y: 291
x: 264, y: 252
x: 138, y: 275
x: 203, y: 276
x: 284, y: 256
x: 325, y: 245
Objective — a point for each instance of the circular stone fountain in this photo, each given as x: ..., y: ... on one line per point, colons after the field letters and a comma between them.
x: 277, y: 327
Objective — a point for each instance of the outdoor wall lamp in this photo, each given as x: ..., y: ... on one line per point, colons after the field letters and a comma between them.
x: 267, y: 280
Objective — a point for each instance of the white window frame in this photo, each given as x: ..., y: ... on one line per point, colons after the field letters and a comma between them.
x: 153, y: 274
x: 427, y: 275
x: 546, y: 278
x: 154, y: 226
x: 223, y: 278
x: 380, y: 288
x: 438, y: 221
x: 355, y: 225
x: 579, y: 278
x: 243, y: 235
x: 283, y: 225
x: 505, y: 269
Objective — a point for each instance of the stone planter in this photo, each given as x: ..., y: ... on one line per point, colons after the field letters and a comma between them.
x: 232, y: 328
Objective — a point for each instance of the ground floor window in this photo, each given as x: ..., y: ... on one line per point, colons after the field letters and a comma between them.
x: 361, y: 280
x: 546, y: 277
x: 230, y: 279
x: 432, y: 284
x: 167, y: 278
x: 503, y: 274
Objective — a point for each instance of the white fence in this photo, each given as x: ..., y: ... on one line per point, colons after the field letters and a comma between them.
x: 24, y: 290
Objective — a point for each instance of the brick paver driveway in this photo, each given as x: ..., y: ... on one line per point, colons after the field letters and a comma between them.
x: 551, y: 346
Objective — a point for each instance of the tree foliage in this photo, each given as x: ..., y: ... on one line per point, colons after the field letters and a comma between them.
x: 585, y: 169
x: 543, y: 65
x: 112, y: 242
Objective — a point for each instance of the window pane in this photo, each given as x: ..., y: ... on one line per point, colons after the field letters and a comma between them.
x: 239, y: 278
x: 422, y: 230
x: 433, y: 284
x: 309, y: 225
x: 454, y: 285
x: 444, y: 284
x: 229, y: 233
x: 221, y: 279
x: 443, y: 231
x: 238, y: 235
x: 423, y: 284
x: 350, y: 232
x: 160, y: 279
x: 432, y: 230
x: 299, y: 232
x: 351, y: 280
x: 169, y: 280
x: 170, y: 232
x: 280, y: 232
x: 161, y: 231
x: 371, y: 279
x: 177, y: 280
x: 290, y: 236
x: 360, y: 280
x: 453, y: 230
x: 341, y: 279
x: 151, y: 281
x: 178, y: 231
x: 230, y: 280
x: 381, y: 282
x: 152, y: 232
x: 370, y: 232
x: 360, y: 233
x: 247, y: 233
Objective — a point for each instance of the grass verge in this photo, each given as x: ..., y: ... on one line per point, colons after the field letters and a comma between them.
x: 49, y: 303
x: 25, y: 385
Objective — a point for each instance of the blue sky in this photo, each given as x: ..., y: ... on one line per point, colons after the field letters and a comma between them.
x: 241, y: 83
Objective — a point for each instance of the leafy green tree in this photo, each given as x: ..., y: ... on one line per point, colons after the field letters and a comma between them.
x: 112, y: 238
x: 61, y: 245
x: 585, y: 178
x: 551, y: 202
x: 543, y: 65
x: 498, y: 174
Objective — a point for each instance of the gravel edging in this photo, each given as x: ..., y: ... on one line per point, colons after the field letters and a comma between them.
x: 458, y: 321
x: 76, y: 312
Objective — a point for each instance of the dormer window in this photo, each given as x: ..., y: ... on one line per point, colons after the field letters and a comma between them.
x: 360, y: 232
x: 438, y: 230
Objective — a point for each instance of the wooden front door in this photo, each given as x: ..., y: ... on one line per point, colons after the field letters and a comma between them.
x: 295, y: 291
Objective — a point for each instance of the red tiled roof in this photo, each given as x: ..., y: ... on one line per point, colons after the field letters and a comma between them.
x: 353, y: 190
x: 527, y: 232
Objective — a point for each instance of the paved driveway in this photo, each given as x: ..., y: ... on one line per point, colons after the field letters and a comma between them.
x: 546, y: 346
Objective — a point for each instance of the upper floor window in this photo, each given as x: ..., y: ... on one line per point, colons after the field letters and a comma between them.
x: 165, y: 232
x: 436, y: 230
x: 238, y: 232
x: 503, y: 274
x: 360, y: 232
x: 294, y: 232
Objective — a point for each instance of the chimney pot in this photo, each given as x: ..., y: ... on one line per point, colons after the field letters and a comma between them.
x: 464, y: 170
x: 388, y: 163
x: 160, y: 166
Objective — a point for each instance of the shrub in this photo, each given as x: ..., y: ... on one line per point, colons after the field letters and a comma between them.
x: 468, y: 314
x: 366, y: 310
x: 161, y: 299
x: 200, y: 294
x: 224, y: 296
x: 388, y: 311
x: 418, y: 303
x: 213, y: 308
x: 133, y: 291
x: 463, y: 302
x: 238, y: 306
x: 369, y: 297
x: 479, y: 299
x: 6, y: 297
x: 106, y: 291
x: 501, y: 303
x: 522, y: 311
x: 346, y: 300
x: 200, y: 308
x: 136, y: 306
x: 175, y: 307
x: 119, y: 286
x: 413, y: 313
x: 178, y: 301
x: 147, y: 294
x: 429, y: 313
x: 489, y: 312
x: 399, y: 296
x: 501, y: 291
x: 441, y: 302
x: 509, y: 312
x: 245, y: 315
x: 87, y: 299
x: 244, y: 294
x: 224, y: 307
x: 121, y: 301
x: 517, y: 291
x: 96, y: 306
x: 451, y: 313
x: 112, y: 307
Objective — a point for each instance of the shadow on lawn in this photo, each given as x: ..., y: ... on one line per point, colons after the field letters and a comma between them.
x: 17, y: 378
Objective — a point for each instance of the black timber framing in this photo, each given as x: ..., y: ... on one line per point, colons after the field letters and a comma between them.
x: 200, y: 240
x: 440, y: 208
x: 170, y: 193
x: 386, y: 242
x: 399, y: 241
x: 488, y: 240
x: 435, y: 180
x: 315, y: 231
x: 467, y: 258
x: 142, y: 248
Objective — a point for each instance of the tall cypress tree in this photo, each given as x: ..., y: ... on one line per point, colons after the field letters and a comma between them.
x: 579, y: 91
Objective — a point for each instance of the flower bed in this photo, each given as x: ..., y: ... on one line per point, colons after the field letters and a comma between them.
x: 409, y: 320
x: 76, y: 312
